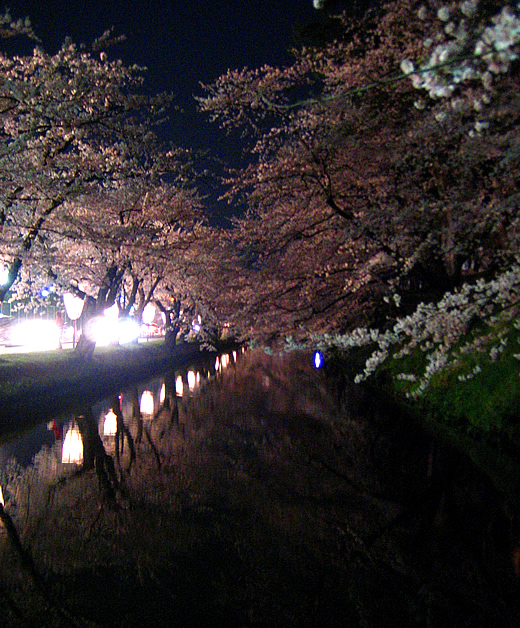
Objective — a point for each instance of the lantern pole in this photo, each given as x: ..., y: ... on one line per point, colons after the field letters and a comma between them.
x: 74, y: 307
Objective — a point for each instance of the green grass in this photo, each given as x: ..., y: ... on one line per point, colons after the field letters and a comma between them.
x: 475, y: 410
x: 489, y: 400
x: 29, y: 371
x: 475, y: 390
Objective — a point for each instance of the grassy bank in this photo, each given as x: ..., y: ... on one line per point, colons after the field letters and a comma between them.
x: 473, y: 404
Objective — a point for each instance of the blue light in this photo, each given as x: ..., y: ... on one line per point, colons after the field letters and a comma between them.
x: 318, y: 359
x: 44, y: 292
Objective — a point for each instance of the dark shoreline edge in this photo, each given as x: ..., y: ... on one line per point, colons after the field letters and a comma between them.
x: 88, y: 383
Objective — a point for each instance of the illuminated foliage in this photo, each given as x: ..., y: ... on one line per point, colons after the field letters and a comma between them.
x: 363, y: 183
x: 88, y: 198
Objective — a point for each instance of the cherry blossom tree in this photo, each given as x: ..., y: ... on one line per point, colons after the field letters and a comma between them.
x: 89, y: 199
x: 359, y: 187
x: 69, y: 124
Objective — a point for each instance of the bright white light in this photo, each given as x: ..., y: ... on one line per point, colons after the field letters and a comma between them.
x: 318, y: 4
x: 147, y: 405
x: 193, y: 379
x: 104, y: 330
x: 72, y: 451
x: 148, y: 313
x: 179, y: 386
x: 318, y: 359
x: 129, y: 330
x: 112, y: 312
x: 217, y: 364
x: 4, y: 276
x: 1, y: 497
x: 162, y: 394
x: 110, y: 424
x: 44, y: 292
x: 224, y: 360
x: 73, y: 305
x: 37, y: 335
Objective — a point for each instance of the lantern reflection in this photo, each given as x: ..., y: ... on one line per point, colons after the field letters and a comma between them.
x: 147, y: 404
x: 179, y: 386
x: 72, y: 451
x: 110, y: 424
x: 193, y: 379
x: 162, y: 394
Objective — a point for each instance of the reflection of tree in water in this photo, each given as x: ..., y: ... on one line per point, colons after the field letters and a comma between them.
x: 95, y: 456
x: 258, y: 502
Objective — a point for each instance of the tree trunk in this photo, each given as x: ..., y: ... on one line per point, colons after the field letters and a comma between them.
x: 85, y: 347
x: 173, y: 324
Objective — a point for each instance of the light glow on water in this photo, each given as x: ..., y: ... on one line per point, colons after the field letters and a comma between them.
x: 147, y: 404
x: 193, y: 379
x: 110, y: 424
x: 72, y: 451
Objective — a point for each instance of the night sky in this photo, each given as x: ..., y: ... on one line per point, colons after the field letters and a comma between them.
x: 181, y: 43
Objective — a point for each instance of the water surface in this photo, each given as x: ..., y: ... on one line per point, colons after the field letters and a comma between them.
x: 255, y: 490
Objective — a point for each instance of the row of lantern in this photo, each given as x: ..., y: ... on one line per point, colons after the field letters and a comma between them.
x: 147, y: 400
x: 72, y: 444
x: 72, y: 449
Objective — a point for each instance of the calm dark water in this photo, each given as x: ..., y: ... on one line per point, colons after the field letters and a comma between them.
x: 185, y: 383
x: 253, y: 491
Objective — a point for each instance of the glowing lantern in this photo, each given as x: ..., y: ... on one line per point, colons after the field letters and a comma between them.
x: 73, y: 306
x: 2, y: 503
x: 147, y: 404
x: 72, y: 451
x: 179, y: 386
x: 110, y: 424
x: 162, y: 394
x: 224, y: 360
x: 149, y: 314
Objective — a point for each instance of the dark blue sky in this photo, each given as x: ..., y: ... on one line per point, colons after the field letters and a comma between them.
x: 180, y: 42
